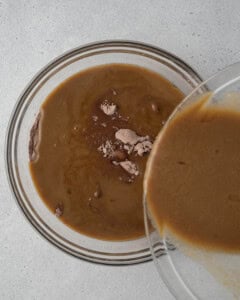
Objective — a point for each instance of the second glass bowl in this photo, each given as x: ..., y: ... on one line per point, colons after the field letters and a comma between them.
x: 188, y: 272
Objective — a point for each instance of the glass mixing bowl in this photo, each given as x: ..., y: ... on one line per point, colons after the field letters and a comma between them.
x: 188, y: 272
x: 24, y: 114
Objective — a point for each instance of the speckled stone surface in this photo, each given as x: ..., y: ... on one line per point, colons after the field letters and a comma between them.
x: 203, y: 33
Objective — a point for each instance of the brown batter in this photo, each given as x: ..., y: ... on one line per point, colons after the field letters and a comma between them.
x: 193, y: 179
x: 88, y: 160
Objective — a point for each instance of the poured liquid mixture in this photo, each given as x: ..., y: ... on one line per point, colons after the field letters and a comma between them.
x: 193, y: 179
x: 90, y: 143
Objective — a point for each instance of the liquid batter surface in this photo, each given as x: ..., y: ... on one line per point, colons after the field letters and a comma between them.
x: 89, y: 145
x: 192, y: 182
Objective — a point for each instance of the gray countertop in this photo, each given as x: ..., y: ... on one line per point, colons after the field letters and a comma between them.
x: 206, y: 34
